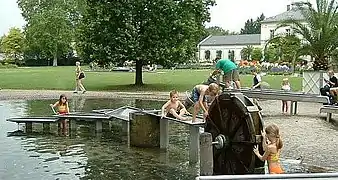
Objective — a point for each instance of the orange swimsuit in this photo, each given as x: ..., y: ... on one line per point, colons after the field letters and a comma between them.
x: 63, y: 109
x: 274, y: 164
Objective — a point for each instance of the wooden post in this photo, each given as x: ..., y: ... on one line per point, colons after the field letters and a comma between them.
x: 144, y: 130
x: 164, y: 133
x: 98, y: 125
x: 328, y: 117
x: 291, y: 108
x: 29, y: 127
x: 194, y: 144
x: 125, y: 126
x: 295, y: 112
x: 206, y: 154
x: 72, y: 124
x: 46, y: 127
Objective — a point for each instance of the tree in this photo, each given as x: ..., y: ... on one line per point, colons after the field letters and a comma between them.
x: 162, y: 31
x: 218, y: 31
x: 285, y: 47
x: 246, y: 52
x: 50, y: 25
x: 13, y: 44
x: 253, y: 27
x: 257, y: 54
x: 320, y: 33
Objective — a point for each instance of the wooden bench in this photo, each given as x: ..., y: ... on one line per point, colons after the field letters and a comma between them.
x: 294, y: 97
x: 329, y: 110
x: 30, y: 120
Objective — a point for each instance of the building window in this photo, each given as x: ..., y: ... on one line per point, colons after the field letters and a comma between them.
x: 231, y: 55
x: 207, y: 55
x: 272, y: 33
x: 288, y: 32
x: 219, y: 54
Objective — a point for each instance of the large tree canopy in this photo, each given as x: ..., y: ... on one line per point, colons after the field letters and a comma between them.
x: 320, y: 30
x: 162, y: 31
x: 13, y: 44
x: 50, y: 25
x: 253, y: 27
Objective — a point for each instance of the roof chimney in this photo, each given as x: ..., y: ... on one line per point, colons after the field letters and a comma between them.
x: 288, y: 7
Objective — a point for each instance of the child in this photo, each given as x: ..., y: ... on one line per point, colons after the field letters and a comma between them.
x: 198, y: 96
x: 79, y: 76
x: 63, y: 108
x: 285, y: 87
x: 256, y: 80
x: 174, y: 108
x: 272, y: 145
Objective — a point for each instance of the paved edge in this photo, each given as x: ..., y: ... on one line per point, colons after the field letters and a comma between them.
x: 9, y: 94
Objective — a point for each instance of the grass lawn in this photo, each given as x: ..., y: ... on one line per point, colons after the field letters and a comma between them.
x: 62, y: 78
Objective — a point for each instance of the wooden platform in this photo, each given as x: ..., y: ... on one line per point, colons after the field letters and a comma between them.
x: 84, y: 116
x: 329, y: 109
x: 34, y: 119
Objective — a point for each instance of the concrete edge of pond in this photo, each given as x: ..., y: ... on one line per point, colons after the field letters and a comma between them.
x: 8, y: 94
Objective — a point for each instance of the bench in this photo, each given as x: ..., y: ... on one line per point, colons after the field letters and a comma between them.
x: 294, y: 97
x: 329, y: 110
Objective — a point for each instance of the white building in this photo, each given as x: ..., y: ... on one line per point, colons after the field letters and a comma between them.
x: 236, y: 43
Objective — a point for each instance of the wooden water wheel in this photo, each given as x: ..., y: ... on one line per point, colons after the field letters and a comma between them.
x: 235, y: 124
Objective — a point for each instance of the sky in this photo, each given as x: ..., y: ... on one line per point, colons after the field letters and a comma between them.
x: 228, y: 14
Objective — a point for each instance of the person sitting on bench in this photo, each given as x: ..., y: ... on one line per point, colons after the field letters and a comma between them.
x: 330, y: 89
x: 174, y: 107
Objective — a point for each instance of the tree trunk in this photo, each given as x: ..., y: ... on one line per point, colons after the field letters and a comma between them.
x: 138, y: 76
x: 55, y: 60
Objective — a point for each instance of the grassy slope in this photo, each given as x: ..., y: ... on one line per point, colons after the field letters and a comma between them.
x: 62, y: 78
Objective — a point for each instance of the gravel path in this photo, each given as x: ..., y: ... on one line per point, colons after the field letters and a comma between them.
x: 306, y: 136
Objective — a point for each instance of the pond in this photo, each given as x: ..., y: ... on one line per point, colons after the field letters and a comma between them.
x: 86, y: 156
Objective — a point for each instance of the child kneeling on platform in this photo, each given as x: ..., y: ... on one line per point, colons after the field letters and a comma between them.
x: 198, y: 96
x: 174, y: 107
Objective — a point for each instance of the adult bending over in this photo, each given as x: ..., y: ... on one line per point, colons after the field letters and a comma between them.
x: 79, y: 76
x: 229, y: 69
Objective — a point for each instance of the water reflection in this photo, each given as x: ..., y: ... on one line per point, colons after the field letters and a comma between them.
x: 88, y: 156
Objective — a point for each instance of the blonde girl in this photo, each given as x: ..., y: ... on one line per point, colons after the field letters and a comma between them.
x: 79, y: 75
x: 272, y: 145
x: 286, y: 87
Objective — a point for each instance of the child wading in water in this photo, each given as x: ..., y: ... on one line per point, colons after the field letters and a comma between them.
x: 174, y: 107
x: 286, y: 87
x: 198, y: 97
x: 63, y: 108
x: 272, y: 145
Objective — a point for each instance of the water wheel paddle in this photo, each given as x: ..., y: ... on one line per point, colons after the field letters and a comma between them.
x: 235, y: 124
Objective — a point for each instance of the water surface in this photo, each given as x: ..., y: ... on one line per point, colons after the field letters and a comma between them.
x: 88, y: 155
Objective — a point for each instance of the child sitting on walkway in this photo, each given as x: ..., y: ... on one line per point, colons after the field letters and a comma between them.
x: 198, y: 96
x: 174, y: 107
x: 272, y: 145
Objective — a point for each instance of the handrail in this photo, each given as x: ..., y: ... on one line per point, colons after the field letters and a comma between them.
x: 274, y: 176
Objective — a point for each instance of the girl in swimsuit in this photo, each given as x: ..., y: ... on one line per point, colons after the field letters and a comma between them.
x: 63, y: 108
x: 272, y: 145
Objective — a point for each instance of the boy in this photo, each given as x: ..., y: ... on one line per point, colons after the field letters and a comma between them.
x: 174, y: 108
x: 198, y: 96
x: 256, y: 80
x: 229, y: 69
